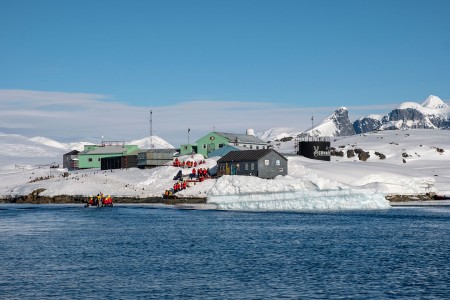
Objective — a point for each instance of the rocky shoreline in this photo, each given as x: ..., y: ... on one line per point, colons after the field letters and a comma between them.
x: 79, y: 199
x: 35, y: 198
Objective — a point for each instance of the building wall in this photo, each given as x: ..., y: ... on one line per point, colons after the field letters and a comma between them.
x: 315, y: 150
x: 272, y: 165
x: 187, y: 149
x: 269, y: 166
x: 119, y: 162
x: 210, y: 142
x: 70, y: 162
x: 154, y: 158
x: 90, y: 161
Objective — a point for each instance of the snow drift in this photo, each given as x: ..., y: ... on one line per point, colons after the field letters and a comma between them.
x: 282, y: 194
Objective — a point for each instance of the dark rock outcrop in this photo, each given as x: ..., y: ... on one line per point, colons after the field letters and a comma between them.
x: 366, y: 125
x: 342, y: 122
x: 350, y: 153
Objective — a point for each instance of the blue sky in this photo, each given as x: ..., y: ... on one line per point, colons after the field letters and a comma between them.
x: 295, y: 54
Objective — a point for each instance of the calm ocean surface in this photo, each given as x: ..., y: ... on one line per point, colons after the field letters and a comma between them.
x: 128, y: 252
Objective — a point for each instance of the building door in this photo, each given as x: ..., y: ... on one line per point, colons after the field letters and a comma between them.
x: 233, y: 170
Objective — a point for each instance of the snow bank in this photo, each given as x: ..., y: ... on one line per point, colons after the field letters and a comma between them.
x: 282, y: 194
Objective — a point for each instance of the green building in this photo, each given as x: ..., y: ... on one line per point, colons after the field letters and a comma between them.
x: 91, y: 156
x: 215, y: 140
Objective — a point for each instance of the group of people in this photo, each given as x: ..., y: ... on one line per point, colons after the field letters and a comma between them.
x: 200, y: 174
x: 180, y: 185
x: 187, y: 164
x: 100, y: 200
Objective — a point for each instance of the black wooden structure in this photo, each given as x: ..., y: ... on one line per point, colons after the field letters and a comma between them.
x: 314, y: 147
x: 118, y: 162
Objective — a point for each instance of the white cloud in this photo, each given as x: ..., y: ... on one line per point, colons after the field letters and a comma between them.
x: 77, y: 116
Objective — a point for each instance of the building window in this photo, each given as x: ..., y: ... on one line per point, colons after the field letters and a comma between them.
x: 251, y: 146
x: 204, y: 146
x: 246, y: 166
x: 98, y: 159
x: 185, y: 147
x: 244, y: 145
x: 90, y: 160
x: 252, y: 166
x: 257, y: 147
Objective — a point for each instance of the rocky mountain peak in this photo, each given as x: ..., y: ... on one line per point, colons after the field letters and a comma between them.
x: 434, y: 102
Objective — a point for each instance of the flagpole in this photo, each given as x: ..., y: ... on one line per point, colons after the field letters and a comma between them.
x: 188, y: 134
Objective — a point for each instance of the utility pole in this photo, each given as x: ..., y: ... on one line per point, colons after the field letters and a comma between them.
x: 151, y: 130
x: 189, y: 130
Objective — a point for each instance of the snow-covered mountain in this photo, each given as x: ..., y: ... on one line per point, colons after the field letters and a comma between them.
x: 434, y: 102
x: 15, y: 145
x: 154, y: 142
x: 336, y: 124
x: 276, y: 134
x: 433, y: 113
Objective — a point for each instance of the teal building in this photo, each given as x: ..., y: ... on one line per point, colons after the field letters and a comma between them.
x: 216, y: 140
x: 91, y: 156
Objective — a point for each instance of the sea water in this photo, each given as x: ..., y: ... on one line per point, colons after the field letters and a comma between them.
x: 138, y: 251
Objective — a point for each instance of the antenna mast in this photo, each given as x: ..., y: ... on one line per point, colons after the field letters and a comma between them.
x: 151, y: 130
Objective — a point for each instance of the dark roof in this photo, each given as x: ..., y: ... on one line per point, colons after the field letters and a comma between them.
x: 73, y: 152
x: 247, y: 155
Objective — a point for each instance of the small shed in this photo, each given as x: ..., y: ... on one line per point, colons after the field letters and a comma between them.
x: 151, y: 158
x: 264, y: 163
x: 70, y: 160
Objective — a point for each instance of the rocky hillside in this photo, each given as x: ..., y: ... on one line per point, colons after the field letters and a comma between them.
x: 433, y: 113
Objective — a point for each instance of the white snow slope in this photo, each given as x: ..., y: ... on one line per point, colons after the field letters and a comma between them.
x: 343, y: 183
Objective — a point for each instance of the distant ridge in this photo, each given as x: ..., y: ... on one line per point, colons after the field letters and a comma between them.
x: 433, y: 113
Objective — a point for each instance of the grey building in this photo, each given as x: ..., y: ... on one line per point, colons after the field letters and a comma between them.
x: 151, y: 158
x: 264, y: 163
x: 70, y: 160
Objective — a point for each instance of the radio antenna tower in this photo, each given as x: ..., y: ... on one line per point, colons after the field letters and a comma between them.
x: 151, y: 130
